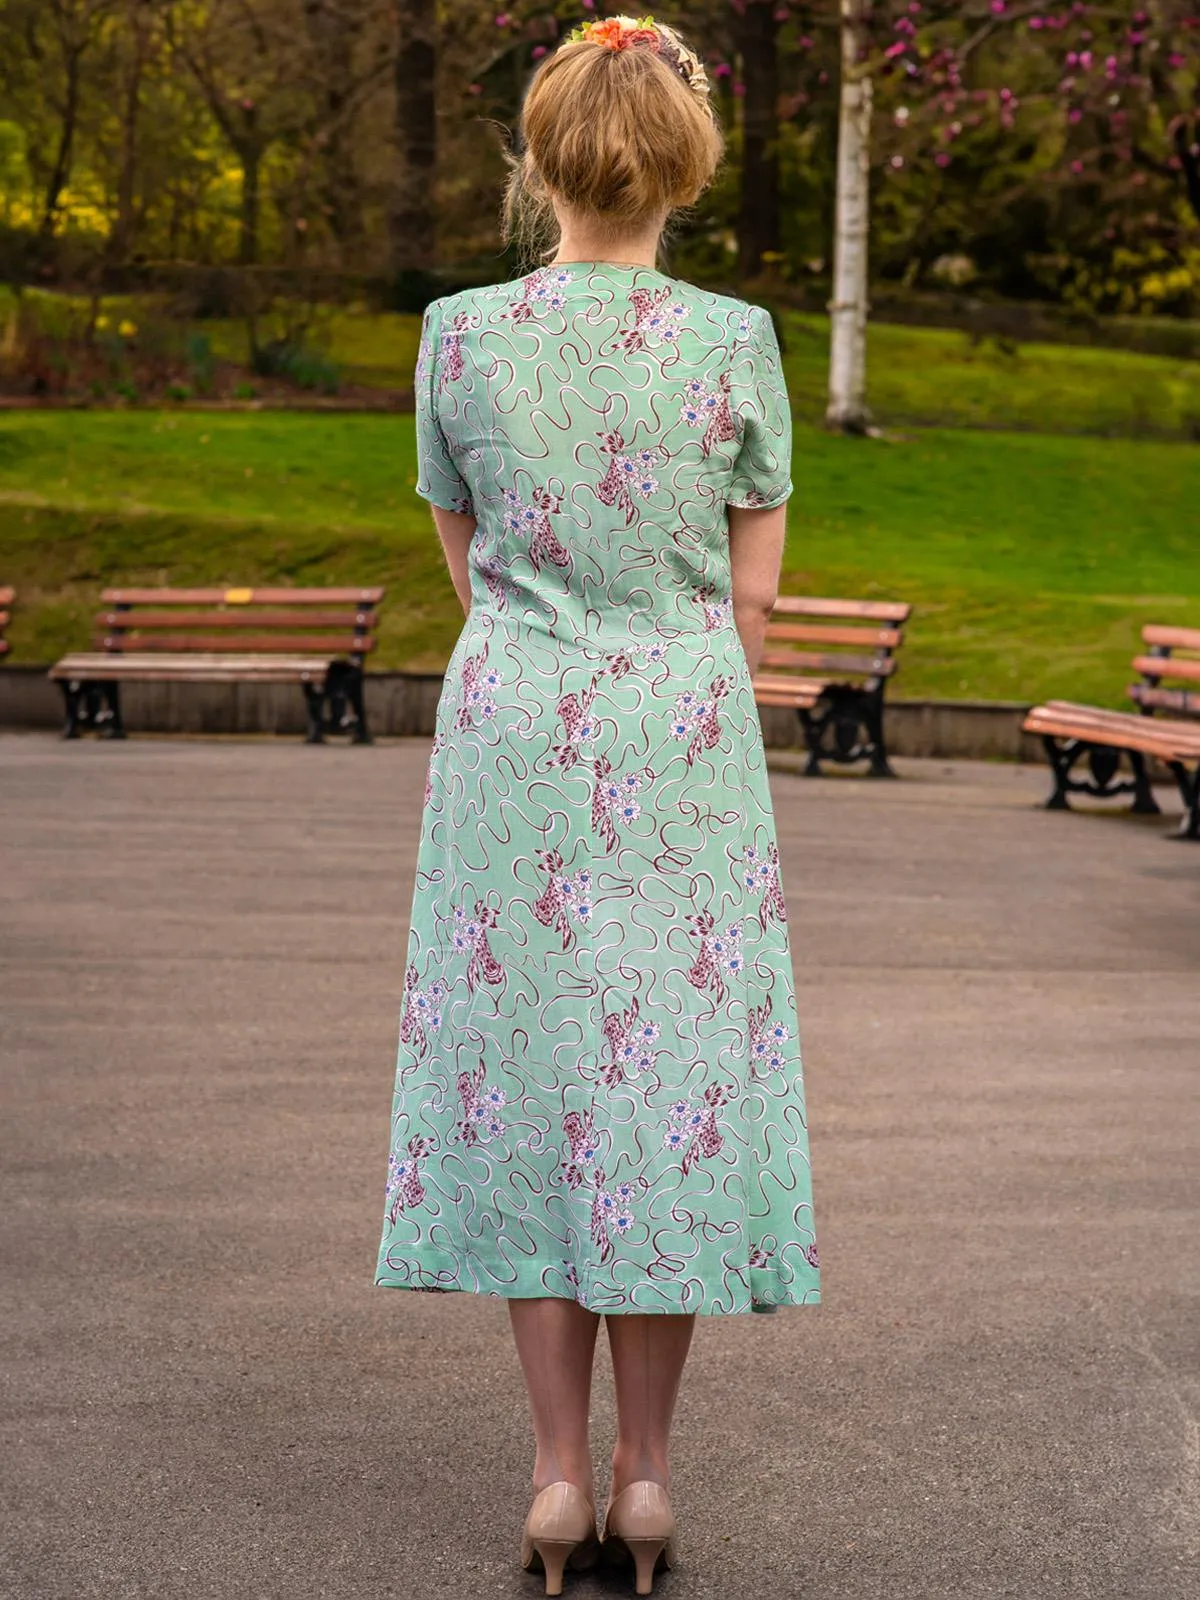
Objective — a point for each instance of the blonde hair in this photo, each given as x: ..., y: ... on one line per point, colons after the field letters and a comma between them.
x: 617, y: 133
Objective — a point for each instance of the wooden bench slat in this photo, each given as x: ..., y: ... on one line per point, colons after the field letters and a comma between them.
x: 1183, y: 701
x: 236, y: 617
x: 796, y: 700
x: 1172, y: 638
x: 821, y: 633
x: 1133, y: 739
x: 861, y: 610
x: 824, y: 661
x: 179, y: 644
x: 1168, y: 667
x: 98, y: 666
x: 791, y: 691
x: 773, y: 680
x: 143, y: 673
x: 97, y: 660
x: 796, y: 695
x: 254, y: 597
x: 1102, y: 717
x: 1124, y: 730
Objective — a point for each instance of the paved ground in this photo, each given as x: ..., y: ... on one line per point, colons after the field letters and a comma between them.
x: 206, y: 1397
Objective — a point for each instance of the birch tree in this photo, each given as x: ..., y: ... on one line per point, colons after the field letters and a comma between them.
x: 847, y: 408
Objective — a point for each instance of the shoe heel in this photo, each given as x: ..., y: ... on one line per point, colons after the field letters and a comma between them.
x: 554, y: 1554
x: 645, y: 1553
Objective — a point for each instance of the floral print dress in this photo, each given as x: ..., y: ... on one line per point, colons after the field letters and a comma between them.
x: 599, y: 1093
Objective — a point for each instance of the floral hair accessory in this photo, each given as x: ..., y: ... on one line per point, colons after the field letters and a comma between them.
x: 634, y: 33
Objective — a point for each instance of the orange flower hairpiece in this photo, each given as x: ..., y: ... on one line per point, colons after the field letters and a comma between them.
x: 632, y: 33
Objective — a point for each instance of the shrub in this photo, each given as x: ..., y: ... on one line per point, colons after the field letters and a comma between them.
x: 298, y: 363
x: 201, y: 363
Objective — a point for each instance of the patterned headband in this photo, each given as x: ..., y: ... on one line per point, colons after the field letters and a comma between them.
x: 643, y: 33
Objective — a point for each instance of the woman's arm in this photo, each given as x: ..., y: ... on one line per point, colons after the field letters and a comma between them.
x: 456, y: 532
x: 755, y: 555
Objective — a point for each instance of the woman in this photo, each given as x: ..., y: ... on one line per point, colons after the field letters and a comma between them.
x: 599, y: 1108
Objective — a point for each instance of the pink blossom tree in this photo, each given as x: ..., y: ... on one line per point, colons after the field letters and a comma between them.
x: 1111, y: 91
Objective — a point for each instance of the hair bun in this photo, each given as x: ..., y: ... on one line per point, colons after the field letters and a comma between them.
x: 644, y: 33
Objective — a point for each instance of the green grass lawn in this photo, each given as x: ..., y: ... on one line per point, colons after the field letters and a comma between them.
x: 1033, y: 559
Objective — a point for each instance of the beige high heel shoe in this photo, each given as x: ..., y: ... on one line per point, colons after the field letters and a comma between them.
x: 560, y: 1530
x: 640, y: 1521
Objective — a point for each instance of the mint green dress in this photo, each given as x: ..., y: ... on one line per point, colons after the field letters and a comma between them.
x: 598, y: 1093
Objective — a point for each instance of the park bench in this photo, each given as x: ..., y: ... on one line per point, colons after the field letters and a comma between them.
x: 6, y: 599
x: 316, y: 638
x: 1074, y: 733
x: 835, y: 685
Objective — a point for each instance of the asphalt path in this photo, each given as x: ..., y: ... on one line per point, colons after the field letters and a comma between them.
x: 201, y: 958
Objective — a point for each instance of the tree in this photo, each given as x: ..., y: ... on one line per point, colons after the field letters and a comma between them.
x: 847, y: 408
x: 333, y: 30
x: 138, y: 40
x: 755, y: 28
x: 57, y: 37
x: 244, y: 55
x: 412, y: 219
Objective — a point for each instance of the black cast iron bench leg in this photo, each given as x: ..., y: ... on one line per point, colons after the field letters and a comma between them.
x: 314, y: 706
x: 872, y: 716
x: 337, y: 705
x: 1062, y: 755
x: 812, y: 730
x: 92, y: 704
x: 1189, y: 790
x: 355, y: 685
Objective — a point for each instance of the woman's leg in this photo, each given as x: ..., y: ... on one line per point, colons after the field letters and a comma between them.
x: 556, y: 1341
x: 648, y: 1353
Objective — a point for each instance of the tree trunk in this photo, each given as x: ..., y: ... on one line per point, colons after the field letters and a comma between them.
x: 61, y: 169
x: 121, y: 237
x: 339, y: 189
x: 342, y: 196
x: 756, y: 31
x: 847, y: 407
x: 1187, y: 148
x: 251, y: 159
x: 412, y: 218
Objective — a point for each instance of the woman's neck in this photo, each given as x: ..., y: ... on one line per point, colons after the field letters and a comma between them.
x: 578, y: 242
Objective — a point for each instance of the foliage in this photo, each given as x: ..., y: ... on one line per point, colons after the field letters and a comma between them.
x: 60, y: 347
x: 1076, y: 125
x: 1051, y: 148
x: 298, y: 363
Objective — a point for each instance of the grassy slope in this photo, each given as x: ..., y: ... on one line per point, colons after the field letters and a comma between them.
x: 1033, y: 559
x: 936, y: 377
x: 919, y: 376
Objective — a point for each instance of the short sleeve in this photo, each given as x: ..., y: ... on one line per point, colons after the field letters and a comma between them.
x: 762, y: 472
x: 438, y: 479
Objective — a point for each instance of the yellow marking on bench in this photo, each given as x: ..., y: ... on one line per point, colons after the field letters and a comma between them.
x: 238, y: 597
